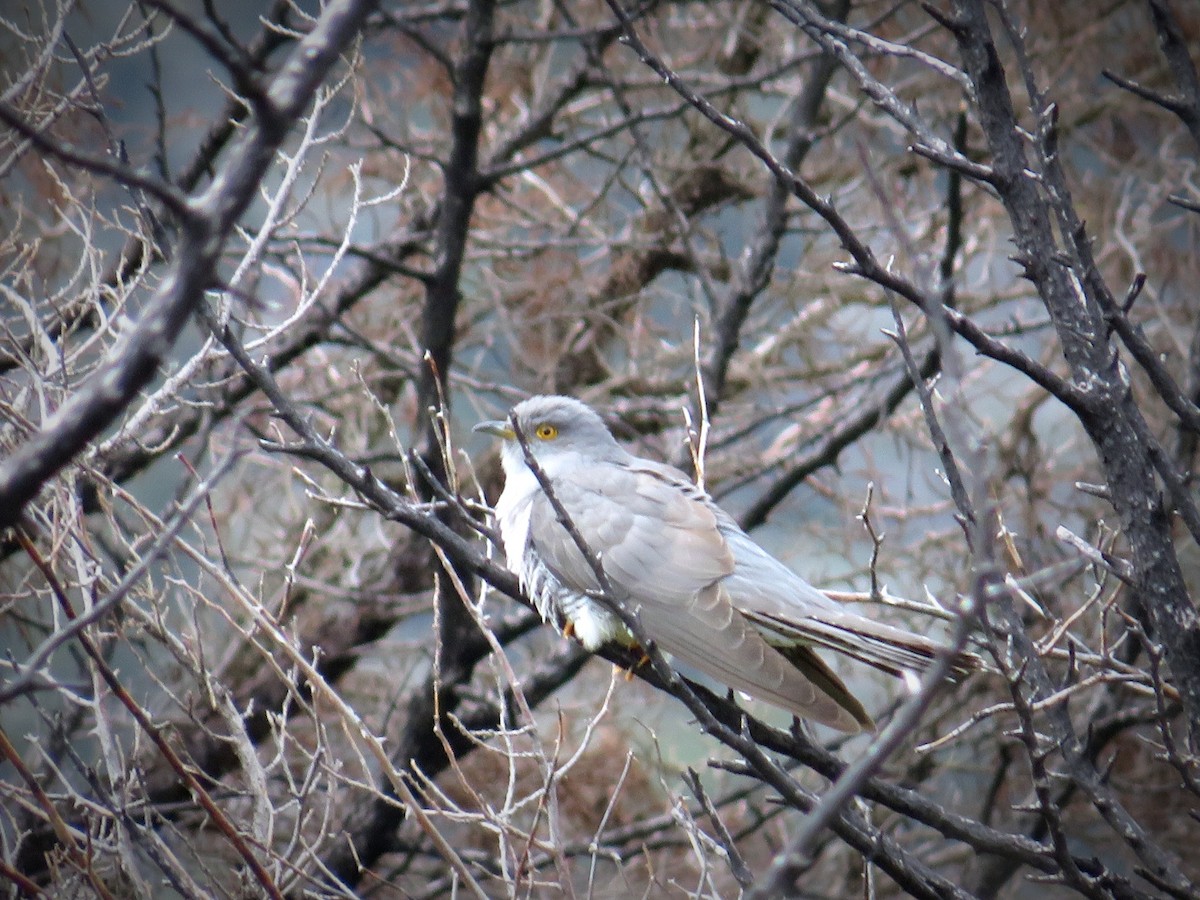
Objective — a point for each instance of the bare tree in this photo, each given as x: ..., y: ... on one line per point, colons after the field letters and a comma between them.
x: 909, y: 286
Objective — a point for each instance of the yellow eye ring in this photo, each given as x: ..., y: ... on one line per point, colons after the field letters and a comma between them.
x: 546, y: 432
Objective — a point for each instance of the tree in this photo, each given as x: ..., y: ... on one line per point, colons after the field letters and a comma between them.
x: 906, y: 286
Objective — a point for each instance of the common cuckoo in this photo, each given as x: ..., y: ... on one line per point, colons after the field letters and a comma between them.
x: 703, y: 591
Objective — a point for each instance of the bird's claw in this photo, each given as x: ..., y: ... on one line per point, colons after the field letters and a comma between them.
x: 643, y: 659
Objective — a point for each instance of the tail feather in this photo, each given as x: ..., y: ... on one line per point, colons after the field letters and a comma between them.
x: 883, y: 647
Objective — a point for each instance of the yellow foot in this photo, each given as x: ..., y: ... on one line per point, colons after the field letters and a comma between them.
x: 569, y: 629
x: 645, y: 658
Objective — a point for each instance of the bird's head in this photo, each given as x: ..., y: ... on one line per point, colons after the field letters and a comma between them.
x: 554, y: 428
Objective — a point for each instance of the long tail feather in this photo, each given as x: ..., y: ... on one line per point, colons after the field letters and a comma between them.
x: 881, y: 646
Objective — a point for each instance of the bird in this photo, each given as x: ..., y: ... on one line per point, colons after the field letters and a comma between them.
x: 703, y: 591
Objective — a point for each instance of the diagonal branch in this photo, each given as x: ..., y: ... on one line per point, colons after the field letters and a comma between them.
x: 204, y: 229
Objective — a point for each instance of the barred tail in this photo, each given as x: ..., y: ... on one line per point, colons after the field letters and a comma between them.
x: 884, y: 647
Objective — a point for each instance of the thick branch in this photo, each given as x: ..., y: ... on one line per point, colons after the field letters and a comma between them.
x: 210, y: 218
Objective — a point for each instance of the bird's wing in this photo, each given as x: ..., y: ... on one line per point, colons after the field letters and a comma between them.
x: 659, y: 544
x: 645, y: 530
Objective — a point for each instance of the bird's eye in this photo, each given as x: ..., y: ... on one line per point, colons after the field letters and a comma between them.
x: 546, y: 431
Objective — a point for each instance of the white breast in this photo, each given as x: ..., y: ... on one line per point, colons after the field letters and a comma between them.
x: 513, y: 510
x: 594, y: 625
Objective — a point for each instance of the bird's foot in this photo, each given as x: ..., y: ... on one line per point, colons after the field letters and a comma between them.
x: 569, y: 629
x: 644, y: 658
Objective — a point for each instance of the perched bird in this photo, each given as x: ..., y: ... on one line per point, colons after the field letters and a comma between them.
x: 703, y: 590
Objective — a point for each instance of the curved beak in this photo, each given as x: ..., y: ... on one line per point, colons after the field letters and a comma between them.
x: 496, y: 427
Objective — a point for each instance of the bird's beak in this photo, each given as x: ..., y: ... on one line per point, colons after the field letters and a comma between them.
x: 496, y: 427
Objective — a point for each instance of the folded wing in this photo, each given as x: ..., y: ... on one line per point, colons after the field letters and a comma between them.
x: 660, y: 545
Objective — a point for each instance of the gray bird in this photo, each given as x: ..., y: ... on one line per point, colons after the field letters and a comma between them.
x: 703, y: 590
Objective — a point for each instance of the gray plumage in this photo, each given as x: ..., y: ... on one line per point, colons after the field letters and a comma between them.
x: 704, y: 591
